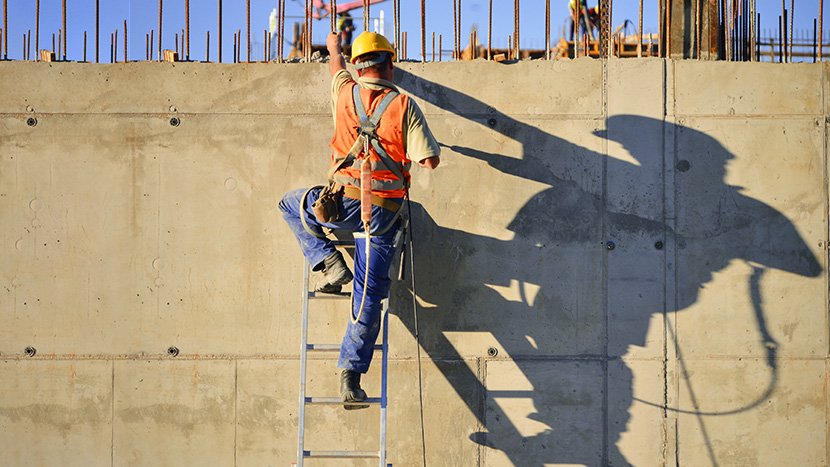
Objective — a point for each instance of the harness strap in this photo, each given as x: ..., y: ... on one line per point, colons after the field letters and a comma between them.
x: 303, y: 214
x: 387, y: 160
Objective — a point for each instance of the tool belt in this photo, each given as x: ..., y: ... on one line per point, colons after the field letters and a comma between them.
x: 326, y: 208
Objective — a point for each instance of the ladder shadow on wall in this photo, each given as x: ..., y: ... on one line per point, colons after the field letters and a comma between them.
x: 564, y: 340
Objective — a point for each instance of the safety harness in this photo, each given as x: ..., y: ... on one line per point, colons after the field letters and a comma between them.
x: 359, y: 157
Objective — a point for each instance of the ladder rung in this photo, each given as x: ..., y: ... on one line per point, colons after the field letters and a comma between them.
x: 342, y: 454
x: 329, y: 296
x: 338, y: 401
x: 332, y: 347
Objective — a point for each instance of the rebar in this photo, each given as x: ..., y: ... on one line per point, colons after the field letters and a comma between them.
x: 63, y: 15
x: 440, y: 49
x: 697, y: 29
x: 604, y: 29
x: 37, y: 31
x: 207, y: 46
x: 547, y: 30
x: 125, y: 41
x: 219, y: 27
x: 147, y: 46
x: 490, y: 30
x: 58, y: 55
x: 398, y: 20
x: 640, y: 32
x: 433, y: 46
x: 815, y: 25
x: 667, y: 52
x: 780, y: 41
x: 516, y: 28
x: 187, y: 29
x: 753, y: 38
x: 152, y: 42
x: 820, y: 30
x: 234, y: 47
x: 29, y: 44
x: 98, y: 32
x: 332, y: 14
x: 114, y: 46
x: 454, y: 29
x: 84, y: 47
x: 5, y: 29
x: 161, y: 54
x: 23, y: 50
x: 248, y: 27
x: 786, y: 38
x: 395, y: 38
x: 281, y: 32
x: 305, y: 41
x: 423, y: 31
x: 176, y: 39
x: 264, y: 45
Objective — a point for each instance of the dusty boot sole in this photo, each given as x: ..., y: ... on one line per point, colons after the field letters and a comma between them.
x: 353, y: 402
x: 329, y: 288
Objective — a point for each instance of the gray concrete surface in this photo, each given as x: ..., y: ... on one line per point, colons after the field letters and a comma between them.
x: 123, y: 235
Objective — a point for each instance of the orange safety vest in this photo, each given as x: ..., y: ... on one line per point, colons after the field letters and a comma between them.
x: 389, y: 132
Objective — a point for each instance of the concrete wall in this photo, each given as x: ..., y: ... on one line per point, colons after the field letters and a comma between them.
x: 642, y: 242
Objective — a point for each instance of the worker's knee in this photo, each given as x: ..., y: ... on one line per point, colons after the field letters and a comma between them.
x: 291, y: 201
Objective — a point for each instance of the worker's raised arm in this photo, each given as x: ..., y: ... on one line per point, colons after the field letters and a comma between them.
x: 336, y: 61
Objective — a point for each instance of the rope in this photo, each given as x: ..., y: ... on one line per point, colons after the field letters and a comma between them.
x: 417, y: 334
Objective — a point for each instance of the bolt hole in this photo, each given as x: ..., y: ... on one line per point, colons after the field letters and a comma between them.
x: 30, y: 351
x: 609, y: 245
x: 658, y: 245
x: 492, y: 122
x: 31, y: 121
x: 175, y: 121
x: 173, y: 351
x: 492, y: 352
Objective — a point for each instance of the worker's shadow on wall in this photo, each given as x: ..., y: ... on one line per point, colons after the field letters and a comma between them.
x: 554, y: 264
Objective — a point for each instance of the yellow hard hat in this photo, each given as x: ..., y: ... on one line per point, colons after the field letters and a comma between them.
x: 368, y: 42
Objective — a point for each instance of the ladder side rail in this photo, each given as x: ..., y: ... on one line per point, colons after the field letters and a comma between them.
x: 399, y: 245
x: 303, y: 349
x: 383, y: 380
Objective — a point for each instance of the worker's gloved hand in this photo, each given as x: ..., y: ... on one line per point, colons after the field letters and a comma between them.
x: 333, y: 44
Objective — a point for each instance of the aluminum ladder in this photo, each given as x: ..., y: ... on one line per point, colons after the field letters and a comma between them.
x: 305, y: 347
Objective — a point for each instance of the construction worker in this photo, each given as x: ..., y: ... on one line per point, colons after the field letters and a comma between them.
x: 401, y: 135
x: 587, y: 18
x: 345, y: 26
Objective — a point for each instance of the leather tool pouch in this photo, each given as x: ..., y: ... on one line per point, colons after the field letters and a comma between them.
x: 326, y: 207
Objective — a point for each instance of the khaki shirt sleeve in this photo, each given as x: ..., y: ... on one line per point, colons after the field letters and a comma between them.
x: 339, y: 80
x: 420, y: 144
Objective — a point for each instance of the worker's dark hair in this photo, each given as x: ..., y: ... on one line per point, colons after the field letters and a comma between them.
x: 385, y: 56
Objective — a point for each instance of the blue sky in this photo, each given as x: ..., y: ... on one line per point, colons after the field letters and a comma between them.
x: 142, y: 16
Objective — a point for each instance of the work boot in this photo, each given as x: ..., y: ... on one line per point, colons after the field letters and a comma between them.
x: 350, y: 390
x: 335, y: 272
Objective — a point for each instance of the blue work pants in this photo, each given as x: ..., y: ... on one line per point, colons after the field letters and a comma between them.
x: 356, y: 349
